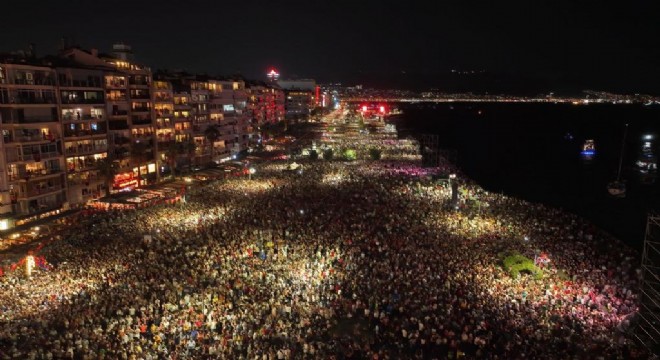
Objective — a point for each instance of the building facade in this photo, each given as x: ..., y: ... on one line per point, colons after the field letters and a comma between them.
x: 81, y: 125
x: 33, y: 180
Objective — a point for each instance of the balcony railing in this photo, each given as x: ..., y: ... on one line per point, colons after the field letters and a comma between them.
x: 40, y: 191
x: 119, y: 113
x: 15, y: 157
x: 138, y: 83
x: 82, y: 117
x: 163, y: 98
x: 28, y: 100
x: 35, y: 81
x: 115, y: 84
x: 138, y: 121
x: 83, y: 165
x: 34, y: 175
x: 83, y: 101
x: 85, y: 149
x: 141, y: 109
x: 81, y: 133
x: 81, y: 83
x: 31, y: 138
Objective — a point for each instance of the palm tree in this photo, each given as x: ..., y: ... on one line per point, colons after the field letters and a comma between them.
x: 212, y: 134
x: 187, y: 148
x: 108, y: 169
x: 171, y: 152
x: 139, y: 155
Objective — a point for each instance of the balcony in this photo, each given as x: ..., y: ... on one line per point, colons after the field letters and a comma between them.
x: 83, y: 133
x: 28, y: 100
x: 164, y: 113
x: 36, y: 192
x: 115, y: 84
x: 34, y: 175
x: 141, y: 121
x: 160, y: 98
x: 134, y: 82
x: 36, y: 81
x: 34, y: 138
x: 119, y: 113
x: 116, y: 97
x: 82, y: 165
x: 82, y: 101
x: 85, y: 149
x: 145, y: 96
x: 30, y: 120
x: 141, y: 109
x: 13, y: 157
x: 83, y: 117
x: 81, y: 83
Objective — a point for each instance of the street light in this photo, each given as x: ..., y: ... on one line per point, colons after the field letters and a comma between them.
x: 251, y: 171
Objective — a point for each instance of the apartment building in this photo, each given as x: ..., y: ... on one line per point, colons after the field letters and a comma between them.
x: 84, y: 131
x: 131, y: 117
x: 265, y: 106
x: 300, y: 95
x: 65, y: 119
x: 210, y: 117
x: 33, y: 175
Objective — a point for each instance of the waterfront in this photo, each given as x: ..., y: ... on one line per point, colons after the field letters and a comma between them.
x: 523, y: 150
x: 326, y: 262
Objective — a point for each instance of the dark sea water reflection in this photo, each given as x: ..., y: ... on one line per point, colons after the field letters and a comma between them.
x: 532, y: 151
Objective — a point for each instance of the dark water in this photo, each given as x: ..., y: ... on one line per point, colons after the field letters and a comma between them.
x: 522, y: 150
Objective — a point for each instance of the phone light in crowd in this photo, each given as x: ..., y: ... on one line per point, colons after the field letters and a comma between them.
x: 382, y: 109
x: 364, y: 108
x: 526, y: 238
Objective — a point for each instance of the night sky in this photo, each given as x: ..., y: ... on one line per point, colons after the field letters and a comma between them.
x: 513, y: 46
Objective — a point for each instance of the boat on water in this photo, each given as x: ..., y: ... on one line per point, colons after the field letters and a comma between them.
x: 647, y: 162
x: 617, y: 188
x: 588, y: 149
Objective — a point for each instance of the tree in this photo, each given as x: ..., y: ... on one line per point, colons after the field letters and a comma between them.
x: 313, y: 155
x: 212, y: 134
x: 328, y: 154
x: 188, y: 148
x: 375, y: 154
x: 172, y: 151
x: 107, y: 169
x: 139, y: 154
x: 350, y: 155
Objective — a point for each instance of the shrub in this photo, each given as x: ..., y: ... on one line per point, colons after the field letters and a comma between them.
x: 328, y: 154
x: 515, y: 263
x: 350, y: 155
x: 375, y: 154
x: 313, y: 154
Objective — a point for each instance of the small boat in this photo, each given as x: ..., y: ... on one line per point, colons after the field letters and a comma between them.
x: 617, y: 188
x: 588, y: 149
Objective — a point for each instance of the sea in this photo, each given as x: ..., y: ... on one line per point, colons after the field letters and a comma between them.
x: 532, y: 151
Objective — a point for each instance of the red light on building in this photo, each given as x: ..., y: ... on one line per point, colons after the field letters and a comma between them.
x: 317, y: 95
x: 273, y: 75
x: 124, y: 180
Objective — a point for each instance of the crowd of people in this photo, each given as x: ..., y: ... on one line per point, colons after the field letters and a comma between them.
x: 368, y: 259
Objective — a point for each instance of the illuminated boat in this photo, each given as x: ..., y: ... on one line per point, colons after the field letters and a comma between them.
x: 588, y: 149
x: 617, y: 188
x: 647, y: 161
